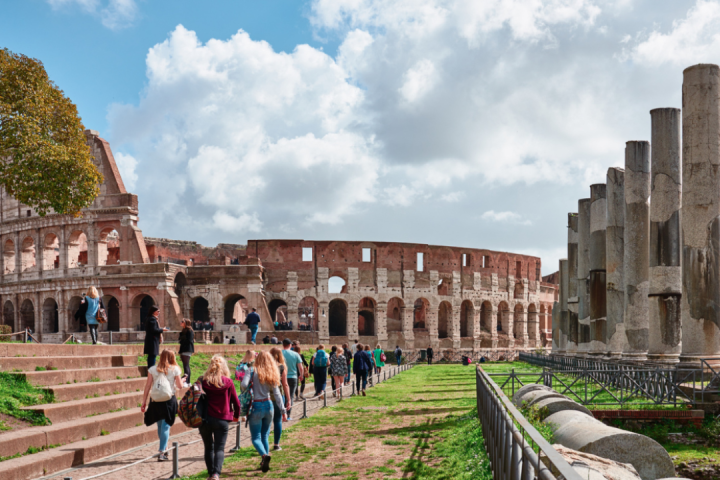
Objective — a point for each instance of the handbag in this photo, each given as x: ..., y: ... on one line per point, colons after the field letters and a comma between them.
x: 101, y: 315
x: 246, y: 398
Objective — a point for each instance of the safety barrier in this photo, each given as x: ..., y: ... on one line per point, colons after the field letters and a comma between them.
x: 374, y: 379
x: 512, y: 443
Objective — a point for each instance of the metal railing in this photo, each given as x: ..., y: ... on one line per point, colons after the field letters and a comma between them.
x: 307, y: 411
x: 513, y: 444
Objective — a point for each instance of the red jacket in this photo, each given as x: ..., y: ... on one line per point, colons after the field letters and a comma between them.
x: 221, y: 400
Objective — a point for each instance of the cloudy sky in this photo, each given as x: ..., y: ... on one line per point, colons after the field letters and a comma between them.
x: 473, y: 123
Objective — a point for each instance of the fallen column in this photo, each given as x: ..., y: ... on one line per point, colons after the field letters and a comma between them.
x: 665, y: 239
x: 701, y: 215
x: 598, y: 289
x: 637, y: 232
x: 572, y: 300
x: 583, y: 274
x: 614, y: 257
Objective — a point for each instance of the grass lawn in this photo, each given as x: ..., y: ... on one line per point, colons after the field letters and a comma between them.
x: 420, y: 424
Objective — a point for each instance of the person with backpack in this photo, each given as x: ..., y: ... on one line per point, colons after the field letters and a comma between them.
x: 398, y: 355
x: 318, y: 364
x: 295, y: 370
x: 263, y: 381
x: 162, y: 382
x: 299, y: 394
x: 361, y: 367
x: 153, y: 334
x: 245, y: 366
x: 187, y: 346
x: 338, y: 369
x: 277, y: 355
x: 379, y: 357
x: 223, y: 406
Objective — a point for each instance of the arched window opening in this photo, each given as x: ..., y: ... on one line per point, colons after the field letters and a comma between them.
x: 366, y: 317
x: 142, y: 304
x: 337, y: 285
x: 278, y: 313
x: 180, y: 283
x: 28, y: 254
x: 486, y: 323
x: 503, y: 318
x: 50, y: 316
x: 308, y: 314
x: 9, y: 315
x: 444, y: 319
x: 51, y: 252
x: 338, y: 318
x: 108, y: 247
x: 235, y: 309
x: 73, y: 307
x: 201, y: 310
x: 27, y: 315
x: 9, y: 256
x: 112, y: 307
x: 394, y: 314
x: 420, y: 309
x: 77, y: 249
x: 467, y: 312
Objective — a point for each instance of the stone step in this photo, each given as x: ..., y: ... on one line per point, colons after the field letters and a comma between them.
x: 59, y: 377
x: 79, y: 453
x: 79, y: 391
x: 55, y: 350
x: 65, y: 433
x: 25, y: 364
x: 77, y: 409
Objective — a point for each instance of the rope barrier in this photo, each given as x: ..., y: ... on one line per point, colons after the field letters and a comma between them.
x: 238, y: 437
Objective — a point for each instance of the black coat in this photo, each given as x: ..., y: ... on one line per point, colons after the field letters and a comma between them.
x: 187, y: 341
x: 430, y: 353
x: 80, y: 314
x: 152, y: 336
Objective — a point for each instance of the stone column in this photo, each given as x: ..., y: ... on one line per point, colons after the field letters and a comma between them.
x: 324, y: 322
x: 598, y: 288
x: 406, y: 313
x: 555, y: 327
x: 637, y: 238
x: 563, y: 339
x: 572, y: 341
x: 665, y: 240
x: 583, y: 278
x: 351, y: 320
x: 431, y: 322
x: 511, y: 328
x: 493, y: 327
x: 455, y: 332
x: 614, y: 257
x: 701, y: 214
x: 381, y: 323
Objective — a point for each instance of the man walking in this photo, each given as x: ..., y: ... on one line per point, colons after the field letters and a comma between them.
x: 429, y: 354
x: 398, y: 355
x: 293, y: 362
x: 253, y: 321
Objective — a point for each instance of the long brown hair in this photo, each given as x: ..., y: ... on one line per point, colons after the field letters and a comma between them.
x: 167, y: 360
x: 278, y: 356
x: 267, y: 369
x: 188, y: 324
x: 217, y: 369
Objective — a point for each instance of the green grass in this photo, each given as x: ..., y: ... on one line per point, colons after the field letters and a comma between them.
x: 4, y: 427
x: 16, y: 392
x: 30, y: 451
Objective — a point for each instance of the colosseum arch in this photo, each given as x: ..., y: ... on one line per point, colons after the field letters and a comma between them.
x: 51, y: 252
x: 278, y: 311
x: 337, y: 284
x: 234, y: 308
x: 50, y: 317
x: 108, y: 246
x: 486, y: 324
x: 394, y: 314
x: 77, y: 249
x: 141, y: 308
x: 73, y: 307
x: 9, y: 315
x: 179, y: 283
x: 27, y: 254
x: 444, y: 319
x: 420, y: 310
x: 366, y: 316
x: 337, y: 312
x: 112, y: 307
x: 200, y: 308
x: 308, y: 312
x: 27, y: 315
x: 467, y: 315
x: 503, y: 319
x: 9, y: 256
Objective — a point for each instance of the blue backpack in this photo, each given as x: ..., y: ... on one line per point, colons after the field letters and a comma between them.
x: 321, y: 360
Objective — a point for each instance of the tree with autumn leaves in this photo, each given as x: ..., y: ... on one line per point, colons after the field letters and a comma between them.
x: 44, y: 160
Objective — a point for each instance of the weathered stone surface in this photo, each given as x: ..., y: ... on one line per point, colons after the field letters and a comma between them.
x: 564, y: 314
x: 598, y: 286
x: 615, y: 246
x: 637, y: 232
x: 593, y: 467
x: 583, y: 277
x: 549, y: 406
x: 573, y: 235
x: 530, y: 387
x: 529, y: 398
x: 568, y: 416
x: 701, y: 213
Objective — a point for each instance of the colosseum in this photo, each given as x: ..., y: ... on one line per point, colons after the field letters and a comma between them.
x: 412, y: 295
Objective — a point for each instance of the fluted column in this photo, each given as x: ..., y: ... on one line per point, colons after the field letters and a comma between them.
x: 598, y: 289
x: 583, y: 277
x: 614, y: 256
x: 665, y: 239
x: 701, y: 214
x: 637, y: 238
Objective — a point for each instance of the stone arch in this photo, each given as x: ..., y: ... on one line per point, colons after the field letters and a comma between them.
x: 51, y: 252
x: 9, y: 256
x: 179, y: 283
x: 532, y: 323
x: 27, y: 315
x: 112, y: 308
x: 108, y: 246
x: 337, y: 321
x: 234, y: 308
x: 467, y: 316
x: 366, y: 316
x: 444, y: 319
x: 278, y: 310
x: 77, y: 249
x: 200, y: 308
x: 394, y: 314
x: 50, y: 316
x: 141, y: 307
x: 503, y: 318
x: 420, y: 310
x: 9, y: 315
x: 486, y: 323
x: 337, y: 284
x: 73, y: 307
x: 308, y: 312
x: 27, y: 254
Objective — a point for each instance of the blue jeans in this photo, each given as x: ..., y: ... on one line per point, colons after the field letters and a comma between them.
x: 151, y: 360
x: 399, y: 360
x: 260, y: 420
x: 277, y: 422
x: 361, y: 376
x: 163, y: 434
x: 253, y: 331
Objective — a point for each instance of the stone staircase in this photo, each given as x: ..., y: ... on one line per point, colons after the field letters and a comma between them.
x: 97, y: 392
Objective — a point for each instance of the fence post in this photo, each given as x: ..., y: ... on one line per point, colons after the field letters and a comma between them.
x: 110, y: 337
x: 176, y: 460
x: 237, y: 439
x: 324, y: 400
x: 25, y: 337
x: 353, y: 388
x: 304, y: 409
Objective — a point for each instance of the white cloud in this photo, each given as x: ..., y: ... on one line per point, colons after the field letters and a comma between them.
x: 693, y: 39
x: 127, y: 164
x: 418, y: 81
x: 504, y: 217
x: 114, y: 14
x: 452, y: 197
x: 242, y: 224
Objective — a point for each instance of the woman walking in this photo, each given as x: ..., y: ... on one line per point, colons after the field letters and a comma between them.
x: 348, y: 357
x: 378, y: 355
x: 153, y: 335
x: 264, y: 380
x: 306, y: 374
x: 88, y: 311
x: 333, y: 352
x: 187, y: 346
x: 371, y: 358
x: 223, y: 406
x: 338, y: 369
x: 162, y: 382
x: 319, y: 364
x: 279, y: 358
x: 361, y: 367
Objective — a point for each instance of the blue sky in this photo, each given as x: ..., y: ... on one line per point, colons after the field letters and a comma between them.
x: 453, y: 122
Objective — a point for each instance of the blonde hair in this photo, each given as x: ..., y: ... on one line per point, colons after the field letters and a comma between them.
x: 92, y: 292
x: 249, y: 356
x: 340, y: 351
x: 267, y: 369
x: 278, y: 356
x: 167, y: 360
x: 217, y: 369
